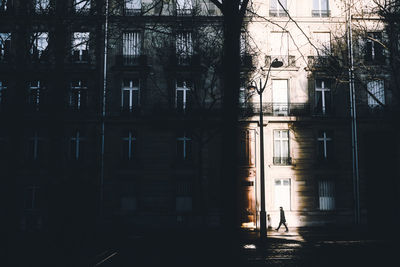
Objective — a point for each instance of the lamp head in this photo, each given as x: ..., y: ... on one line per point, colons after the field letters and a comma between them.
x: 276, y: 63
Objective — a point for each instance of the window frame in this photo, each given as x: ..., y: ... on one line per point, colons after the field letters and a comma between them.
x: 82, y: 87
x: 278, y: 158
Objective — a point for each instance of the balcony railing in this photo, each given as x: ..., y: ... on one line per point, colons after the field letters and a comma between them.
x: 288, y: 60
x: 131, y: 60
x: 320, y: 13
x: 282, y: 160
x: 184, y: 11
x: 276, y: 109
x: 277, y: 13
x: 132, y: 11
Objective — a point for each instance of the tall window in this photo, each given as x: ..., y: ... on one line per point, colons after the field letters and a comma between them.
x: 320, y: 8
x: 82, y: 5
x: 5, y: 44
x: 129, y: 145
x: 32, y: 200
x: 131, y: 47
x: 322, y: 103
x: 183, y: 147
x: 80, y: 46
x: 36, y: 89
x: 374, y: 48
x: 42, y: 6
x: 40, y: 41
x: 326, y: 192
x: 281, y: 147
x: 130, y: 95
x: 280, y: 97
x: 279, y: 44
x: 277, y: 8
x: 132, y: 7
x: 3, y: 90
x: 322, y: 41
x: 282, y: 194
x: 184, y: 7
x: 184, y: 47
x: 376, y: 91
x: 325, y: 146
x: 182, y: 97
x: 35, y: 146
x: 78, y: 95
x: 76, y: 146
x: 184, y: 202
x: 3, y: 5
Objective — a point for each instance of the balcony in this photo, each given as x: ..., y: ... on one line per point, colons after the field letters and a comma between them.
x: 323, y: 13
x: 276, y: 109
x: 132, y: 11
x: 284, y: 161
x: 184, y: 11
x: 277, y: 13
x: 288, y: 60
x: 131, y: 60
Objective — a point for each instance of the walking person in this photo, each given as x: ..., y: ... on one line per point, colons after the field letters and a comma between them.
x: 282, y: 220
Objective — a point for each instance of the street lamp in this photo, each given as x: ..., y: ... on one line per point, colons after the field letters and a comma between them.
x: 263, y: 215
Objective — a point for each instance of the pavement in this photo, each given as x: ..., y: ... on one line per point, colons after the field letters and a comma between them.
x: 298, y: 247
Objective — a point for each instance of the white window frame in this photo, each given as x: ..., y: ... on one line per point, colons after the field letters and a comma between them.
x: 185, y: 91
x: 42, y: 6
x: 279, y: 11
x: 131, y: 89
x: 4, y: 37
x: 184, y: 7
x: 40, y: 42
x: 79, y: 89
x: 323, y: 90
x: 184, y: 139
x: 184, y: 46
x: 326, y: 195
x: 132, y: 7
x: 37, y: 86
x: 131, y: 46
x: 281, y: 141
x: 325, y: 139
x: 130, y: 140
x: 77, y: 141
x: 322, y: 41
x: 278, y: 192
x: 319, y: 10
x: 80, y: 43
x: 280, y: 102
x: 82, y: 5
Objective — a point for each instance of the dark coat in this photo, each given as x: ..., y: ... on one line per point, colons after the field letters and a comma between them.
x: 283, y: 219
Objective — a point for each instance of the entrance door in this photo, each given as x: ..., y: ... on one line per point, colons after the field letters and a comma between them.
x: 282, y: 194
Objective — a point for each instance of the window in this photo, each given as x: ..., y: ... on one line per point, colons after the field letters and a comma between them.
x: 130, y: 95
x: 131, y: 47
x: 277, y: 8
x: 42, y: 6
x: 184, y: 47
x: 279, y: 43
x: 128, y: 145
x: 322, y: 103
x: 35, y: 94
x: 5, y: 44
x: 282, y: 194
x: 281, y: 147
x: 326, y: 192
x: 76, y: 146
x: 35, y: 146
x: 3, y: 90
x: 376, y: 91
x: 78, y: 95
x: 374, y: 48
x: 184, y: 7
x: 184, y: 201
x: 80, y: 46
x: 320, y: 8
x: 280, y: 97
x: 4, y: 5
x: 325, y: 146
x: 322, y: 41
x: 32, y: 198
x: 184, y: 147
x: 182, y: 97
x: 82, y: 6
x: 39, y: 45
x: 132, y: 7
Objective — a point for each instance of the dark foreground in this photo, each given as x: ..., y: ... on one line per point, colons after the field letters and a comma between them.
x: 298, y: 247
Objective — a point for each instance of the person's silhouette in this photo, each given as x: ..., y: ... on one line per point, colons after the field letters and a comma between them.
x: 282, y: 220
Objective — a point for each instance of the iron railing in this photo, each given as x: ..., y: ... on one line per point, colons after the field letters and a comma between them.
x: 276, y: 109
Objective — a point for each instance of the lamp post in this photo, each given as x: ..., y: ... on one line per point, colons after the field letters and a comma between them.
x: 263, y: 215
